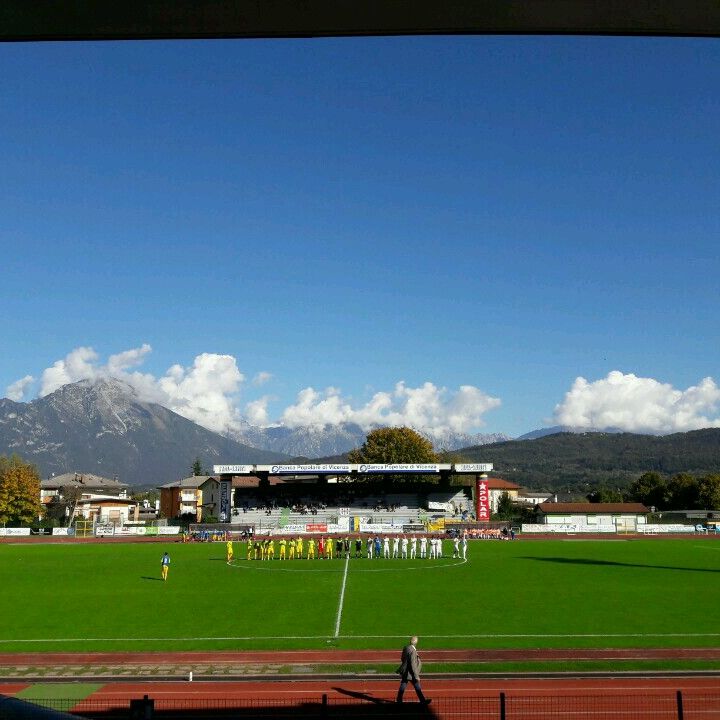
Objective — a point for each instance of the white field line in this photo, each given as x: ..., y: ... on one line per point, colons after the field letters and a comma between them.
x: 342, y: 598
x: 487, y: 636
x: 358, y: 568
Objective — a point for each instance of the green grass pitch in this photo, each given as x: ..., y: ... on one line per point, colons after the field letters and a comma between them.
x: 533, y: 594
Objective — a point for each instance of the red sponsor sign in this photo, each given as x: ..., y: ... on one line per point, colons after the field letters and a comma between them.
x: 318, y: 527
x: 482, y: 501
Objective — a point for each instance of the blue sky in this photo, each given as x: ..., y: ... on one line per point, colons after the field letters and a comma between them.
x: 507, y: 214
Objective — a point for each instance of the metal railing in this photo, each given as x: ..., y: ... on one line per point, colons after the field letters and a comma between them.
x: 655, y: 705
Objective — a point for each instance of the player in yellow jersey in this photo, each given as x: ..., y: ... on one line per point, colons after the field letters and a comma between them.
x: 249, y: 549
x: 311, y: 549
x: 299, y: 547
x: 292, y: 549
x: 328, y: 548
x: 271, y: 550
x: 283, y: 547
x: 229, y: 551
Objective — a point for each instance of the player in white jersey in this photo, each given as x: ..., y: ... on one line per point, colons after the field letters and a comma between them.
x: 464, y: 545
x: 404, y: 546
x: 386, y: 547
x: 423, y: 547
x: 396, y: 546
x: 413, y: 548
x: 456, y: 547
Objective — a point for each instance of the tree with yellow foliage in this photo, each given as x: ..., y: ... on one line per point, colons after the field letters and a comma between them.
x: 19, y: 491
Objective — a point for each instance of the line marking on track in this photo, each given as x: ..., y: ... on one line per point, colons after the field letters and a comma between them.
x: 342, y: 597
x: 486, y: 636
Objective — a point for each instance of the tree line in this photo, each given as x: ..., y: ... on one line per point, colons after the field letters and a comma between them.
x: 682, y: 491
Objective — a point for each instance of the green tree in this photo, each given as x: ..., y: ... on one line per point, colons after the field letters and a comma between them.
x: 651, y: 490
x: 197, y: 468
x: 19, y: 491
x: 394, y: 445
x: 505, y: 507
x: 709, y: 492
x: 683, y: 492
x: 605, y: 494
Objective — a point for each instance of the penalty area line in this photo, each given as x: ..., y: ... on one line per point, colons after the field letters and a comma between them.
x: 342, y: 597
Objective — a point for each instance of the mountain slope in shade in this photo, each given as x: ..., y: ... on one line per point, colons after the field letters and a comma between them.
x: 102, y: 427
x: 580, y: 460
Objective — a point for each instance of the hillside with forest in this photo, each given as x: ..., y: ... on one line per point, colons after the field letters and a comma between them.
x: 575, y: 462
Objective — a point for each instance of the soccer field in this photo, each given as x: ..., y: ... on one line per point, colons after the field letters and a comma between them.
x: 532, y: 594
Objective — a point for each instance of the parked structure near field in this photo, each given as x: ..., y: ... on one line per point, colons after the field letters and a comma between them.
x: 600, y: 517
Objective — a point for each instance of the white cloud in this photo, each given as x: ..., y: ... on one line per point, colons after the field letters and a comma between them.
x: 16, y: 391
x: 638, y: 404
x: 79, y: 364
x: 208, y: 392
x: 256, y: 411
x: 261, y: 378
x: 427, y: 407
x: 129, y: 358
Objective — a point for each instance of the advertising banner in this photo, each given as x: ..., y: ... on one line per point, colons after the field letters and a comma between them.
x: 309, y: 469
x: 233, y: 469
x: 368, y: 527
x: 399, y: 468
x: 63, y: 531
x: 225, y: 491
x: 482, y: 501
x: 341, y: 526
x: 473, y: 467
x: 14, y: 532
x: 168, y: 530
x: 316, y: 528
x: 104, y: 530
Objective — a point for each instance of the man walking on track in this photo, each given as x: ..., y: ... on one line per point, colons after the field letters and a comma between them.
x: 410, y: 666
